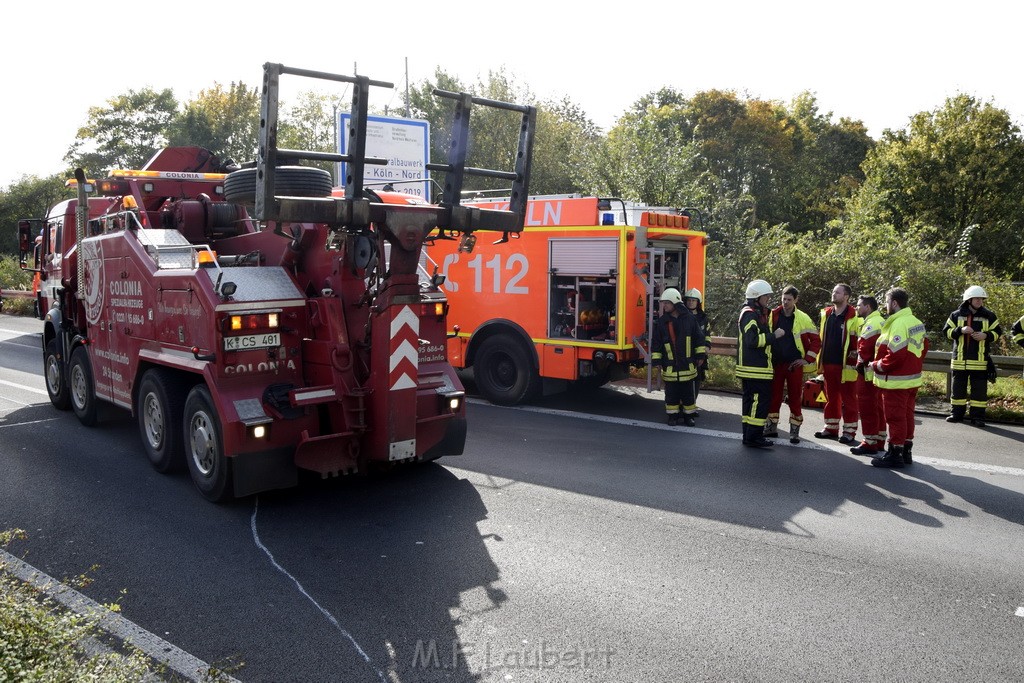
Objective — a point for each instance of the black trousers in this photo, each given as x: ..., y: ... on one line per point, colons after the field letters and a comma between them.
x: 757, y: 395
x: 969, y: 390
x: 679, y: 394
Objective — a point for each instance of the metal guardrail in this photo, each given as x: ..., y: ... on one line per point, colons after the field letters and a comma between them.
x: 935, y: 361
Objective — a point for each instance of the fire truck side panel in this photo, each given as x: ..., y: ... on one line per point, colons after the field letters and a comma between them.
x: 581, y: 294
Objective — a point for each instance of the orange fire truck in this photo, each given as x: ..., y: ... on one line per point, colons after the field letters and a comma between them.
x: 574, y: 299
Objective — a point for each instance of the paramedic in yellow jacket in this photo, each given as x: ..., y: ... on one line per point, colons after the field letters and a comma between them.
x: 676, y: 347
x: 973, y: 329
x: 837, y: 362
x: 754, y: 362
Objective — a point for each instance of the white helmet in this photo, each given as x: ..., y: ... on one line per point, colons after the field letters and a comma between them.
x: 758, y: 288
x: 975, y: 291
x: 671, y: 294
x: 695, y: 294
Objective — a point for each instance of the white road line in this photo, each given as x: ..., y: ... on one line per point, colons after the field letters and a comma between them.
x: 179, y: 661
x: 1019, y: 612
x: 33, y: 422
x: 33, y: 390
x: 330, y: 617
x: 938, y: 462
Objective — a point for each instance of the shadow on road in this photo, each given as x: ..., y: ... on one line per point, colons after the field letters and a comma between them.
x: 397, y: 560
x: 710, y: 477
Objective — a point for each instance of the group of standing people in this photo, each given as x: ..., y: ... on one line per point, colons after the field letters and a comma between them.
x: 871, y: 366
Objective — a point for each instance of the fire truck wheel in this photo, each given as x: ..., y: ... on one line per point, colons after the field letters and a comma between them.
x: 289, y: 181
x: 503, y: 372
x: 204, y: 446
x: 160, y: 409
x: 56, y: 380
x: 80, y: 385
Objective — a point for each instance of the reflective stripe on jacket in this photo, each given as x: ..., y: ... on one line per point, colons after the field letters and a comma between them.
x: 754, y: 344
x: 678, y: 361
x: 1018, y: 331
x: 851, y: 325
x: 808, y: 342
x: 968, y: 353
x: 900, y: 351
x: 870, y: 328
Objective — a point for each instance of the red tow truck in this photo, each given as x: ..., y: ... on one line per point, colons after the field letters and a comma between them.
x: 254, y: 322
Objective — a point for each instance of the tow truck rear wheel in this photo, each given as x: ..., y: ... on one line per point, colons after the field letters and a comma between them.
x: 56, y: 379
x: 204, y: 446
x: 503, y: 372
x: 160, y: 411
x: 81, y: 387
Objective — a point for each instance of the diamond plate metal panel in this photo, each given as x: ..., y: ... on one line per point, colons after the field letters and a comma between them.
x: 256, y: 283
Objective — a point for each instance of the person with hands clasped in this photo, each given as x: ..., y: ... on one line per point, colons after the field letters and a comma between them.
x: 837, y: 363
x: 793, y: 355
x: 972, y: 328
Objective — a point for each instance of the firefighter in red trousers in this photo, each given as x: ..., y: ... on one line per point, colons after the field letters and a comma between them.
x: 837, y: 362
x: 792, y: 356
x: 899, y: 360
x: 973, y: 329
x: 872, y: 418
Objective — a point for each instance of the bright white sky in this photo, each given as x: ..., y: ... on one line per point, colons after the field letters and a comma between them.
x: 873, y: 60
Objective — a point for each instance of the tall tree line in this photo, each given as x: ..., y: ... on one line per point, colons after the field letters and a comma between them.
x: 786, y: 192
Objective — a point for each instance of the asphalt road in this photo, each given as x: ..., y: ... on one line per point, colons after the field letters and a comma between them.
x: 578, y: 539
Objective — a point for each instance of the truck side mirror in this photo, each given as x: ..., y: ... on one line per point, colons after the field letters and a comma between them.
x: 26, y: 229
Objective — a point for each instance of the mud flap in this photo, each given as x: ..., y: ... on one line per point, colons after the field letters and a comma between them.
x: 453, y: 442
x: 264, y: 471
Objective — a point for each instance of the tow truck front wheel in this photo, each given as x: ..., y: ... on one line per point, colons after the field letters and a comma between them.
x: 204, y: 446
x: 81, y: 387
x: 56, y: 379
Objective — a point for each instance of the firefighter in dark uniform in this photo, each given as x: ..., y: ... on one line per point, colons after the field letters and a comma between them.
x: 676, y: 347
x: 754, y: 362
x: 695, y: 303
x: 1018, y: 331
x: 972, y: 328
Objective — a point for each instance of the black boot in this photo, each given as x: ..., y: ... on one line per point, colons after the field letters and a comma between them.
x: 978, y: 418
x: 955, y: 417
x: 893, y: 458
x: 907, y: 447
x: 753, y: 436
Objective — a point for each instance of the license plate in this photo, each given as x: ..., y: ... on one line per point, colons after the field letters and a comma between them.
x: 252, y: 341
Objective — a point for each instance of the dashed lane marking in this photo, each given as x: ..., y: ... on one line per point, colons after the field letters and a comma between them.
x: 158, y: 649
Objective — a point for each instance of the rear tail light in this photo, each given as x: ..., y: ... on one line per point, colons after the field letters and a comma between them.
x: 255, y: 321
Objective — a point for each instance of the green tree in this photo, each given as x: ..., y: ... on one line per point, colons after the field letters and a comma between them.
x: 828, y: 164
x: 310, y: 124
x: 125, y: 133
x: 956, y: 172
x: 224, y: 121
x: 30, y: 197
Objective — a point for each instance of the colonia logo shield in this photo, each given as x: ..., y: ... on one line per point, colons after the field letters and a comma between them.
x: 92, y: 252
